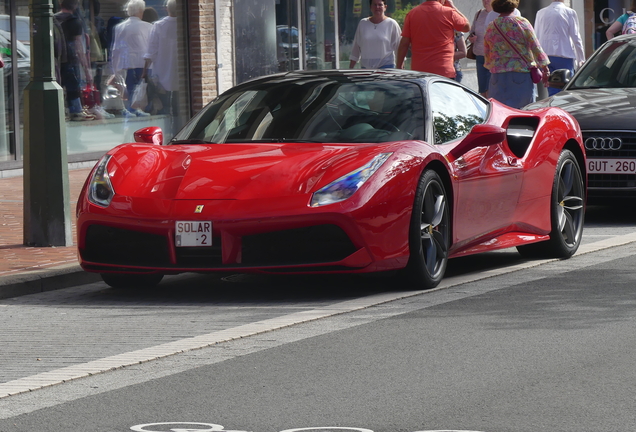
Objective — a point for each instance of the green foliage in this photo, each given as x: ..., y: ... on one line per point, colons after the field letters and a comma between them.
x: 400, y: 14
x: 449, y: 128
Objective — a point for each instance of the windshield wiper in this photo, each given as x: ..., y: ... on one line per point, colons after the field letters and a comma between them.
x: 588, y: 87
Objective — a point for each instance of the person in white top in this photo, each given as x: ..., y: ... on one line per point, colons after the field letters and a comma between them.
x: 163, y: 57
x: 376, y: 40
x: 557, y: 28
x: 130, y: 43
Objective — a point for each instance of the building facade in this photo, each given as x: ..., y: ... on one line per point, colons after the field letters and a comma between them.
x: 218, y: 44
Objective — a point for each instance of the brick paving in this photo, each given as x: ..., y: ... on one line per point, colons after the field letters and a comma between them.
x: 15, y: 257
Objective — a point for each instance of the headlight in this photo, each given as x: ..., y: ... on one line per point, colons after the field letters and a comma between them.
x: 347, y: 185
x: 100, y: 190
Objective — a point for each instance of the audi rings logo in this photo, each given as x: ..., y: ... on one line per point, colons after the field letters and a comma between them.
x: 603, y: 143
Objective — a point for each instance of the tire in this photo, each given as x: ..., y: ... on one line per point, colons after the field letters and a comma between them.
x: 429, y: 233
x: 567, y: 212
x: 129, y: 281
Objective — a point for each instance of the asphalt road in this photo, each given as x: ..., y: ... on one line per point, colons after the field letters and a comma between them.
x: 504, y: 345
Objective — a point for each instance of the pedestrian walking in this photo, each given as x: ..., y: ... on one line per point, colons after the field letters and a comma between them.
x: 76, y: 61
x: 429, y: 30
x: 376, y: 40
x: 476, y: 37
x: 557, y: 29
x: 130, y: 44
x: 511, y: 49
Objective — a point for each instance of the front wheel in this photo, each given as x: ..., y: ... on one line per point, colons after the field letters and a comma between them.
x: 129, y: 281
x: 567, y: 212
x: 429, y: 233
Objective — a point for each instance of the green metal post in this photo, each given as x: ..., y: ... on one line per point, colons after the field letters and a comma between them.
x: 46, y: 186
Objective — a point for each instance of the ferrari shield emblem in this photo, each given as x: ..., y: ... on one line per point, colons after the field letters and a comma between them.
x: 198, y: 209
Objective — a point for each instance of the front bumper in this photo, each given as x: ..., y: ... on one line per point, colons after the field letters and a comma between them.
x: 309, y: 241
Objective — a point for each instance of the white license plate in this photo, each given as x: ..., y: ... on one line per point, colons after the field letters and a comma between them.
x: 193, y: 233
x: 611, y: 166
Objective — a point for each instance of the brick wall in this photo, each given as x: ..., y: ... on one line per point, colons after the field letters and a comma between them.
x: 225, y: 45
x: 202, y: 45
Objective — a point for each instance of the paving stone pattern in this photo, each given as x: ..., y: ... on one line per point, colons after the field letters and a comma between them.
x: 15, y: 257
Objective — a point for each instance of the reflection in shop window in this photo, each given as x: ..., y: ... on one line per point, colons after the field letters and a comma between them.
x: 105, y: 117
x: 20, y: 56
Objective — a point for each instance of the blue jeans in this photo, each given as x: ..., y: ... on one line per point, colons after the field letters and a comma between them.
x: 386, y: 66
x: 71, y: 82
x: 514, y: 89
x: 559, y: 63
x: 483, y: 74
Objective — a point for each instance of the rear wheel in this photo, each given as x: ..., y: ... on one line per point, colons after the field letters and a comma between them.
x: 429, y: 234
x: 119, y: 280
x: 567, y: 212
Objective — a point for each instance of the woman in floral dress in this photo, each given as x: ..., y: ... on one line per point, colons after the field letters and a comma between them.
x: 510, y: 80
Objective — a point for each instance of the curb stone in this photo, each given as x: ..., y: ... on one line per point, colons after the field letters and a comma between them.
x: 37, y: 281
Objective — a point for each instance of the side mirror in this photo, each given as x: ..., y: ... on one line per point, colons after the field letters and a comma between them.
x: 149, y: 135
x: 480, y: 135
x: 559, y: 78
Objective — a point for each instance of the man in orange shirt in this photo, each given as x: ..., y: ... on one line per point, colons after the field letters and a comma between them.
x: 429, y: 30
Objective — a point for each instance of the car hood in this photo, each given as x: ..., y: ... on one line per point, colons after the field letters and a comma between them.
x: 606, y: 109
x: 233, y: 171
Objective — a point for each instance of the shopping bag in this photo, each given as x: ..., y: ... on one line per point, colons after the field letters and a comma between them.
x: 112, y: 100
x: 140, y: 96
x: 118, y: 81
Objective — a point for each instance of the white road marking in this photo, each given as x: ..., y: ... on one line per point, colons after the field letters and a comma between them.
x: 333, y: 428
x: 106, y: 364
x: 200, y: 427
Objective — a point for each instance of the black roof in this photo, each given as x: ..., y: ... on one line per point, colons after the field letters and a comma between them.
x: 345, y: 75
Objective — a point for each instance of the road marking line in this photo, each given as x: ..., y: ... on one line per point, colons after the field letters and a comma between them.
x: 58, y: 376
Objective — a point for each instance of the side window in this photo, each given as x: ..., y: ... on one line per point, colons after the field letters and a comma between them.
x: 455, y: 111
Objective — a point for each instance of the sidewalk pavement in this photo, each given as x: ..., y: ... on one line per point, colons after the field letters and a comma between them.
x: 27, y: 270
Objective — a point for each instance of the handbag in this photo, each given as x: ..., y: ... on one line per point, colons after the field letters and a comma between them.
x: 97, y: 53
x: 535, y: 73
x: 470, y: 54
x: 90, y: 96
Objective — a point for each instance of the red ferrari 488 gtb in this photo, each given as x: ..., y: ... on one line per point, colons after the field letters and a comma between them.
x: 336, y: 171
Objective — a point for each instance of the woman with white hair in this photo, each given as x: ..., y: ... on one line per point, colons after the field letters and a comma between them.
x: 130, y: 43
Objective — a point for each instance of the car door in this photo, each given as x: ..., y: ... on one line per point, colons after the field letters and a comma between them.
x: 488, y: 178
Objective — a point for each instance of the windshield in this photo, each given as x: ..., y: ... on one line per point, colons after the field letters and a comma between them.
x: 614, y: 66
x: 311, y: 110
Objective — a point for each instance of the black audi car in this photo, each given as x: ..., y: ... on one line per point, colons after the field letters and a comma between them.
x: 602, y: 98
